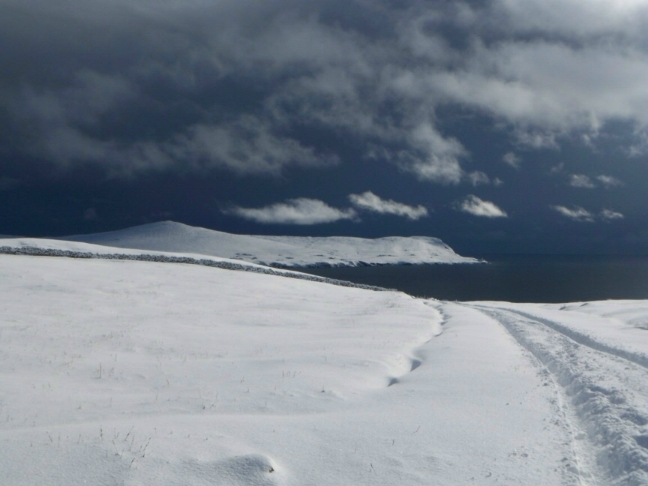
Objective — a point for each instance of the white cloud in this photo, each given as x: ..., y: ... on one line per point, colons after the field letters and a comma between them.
x: 582, y: 18
x: 609, y: 215
x: 582, y: 181
x: 511, y: 159
x: 609, y: 181
x: 546, y: 88
x: 579, y: 214
x: 477, y: 207
x: 585, y: 182
x: 370, y: 202
x: 301, y: 211
x: 638, y: 145
x: 478, y: 178
x: 536, y: 139
x: 557, y: 169
x: 576, y: 214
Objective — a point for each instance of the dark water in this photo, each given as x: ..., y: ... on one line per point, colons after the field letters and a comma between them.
x: 549, y: 279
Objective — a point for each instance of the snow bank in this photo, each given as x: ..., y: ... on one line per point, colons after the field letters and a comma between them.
x: 279, y: 251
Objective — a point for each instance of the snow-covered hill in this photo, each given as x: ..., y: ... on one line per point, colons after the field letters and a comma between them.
x: 152, y: 373
x: 79, y: 250
x: 283, y: 251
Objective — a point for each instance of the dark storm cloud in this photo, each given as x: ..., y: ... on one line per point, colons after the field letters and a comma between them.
x: 255, y: 86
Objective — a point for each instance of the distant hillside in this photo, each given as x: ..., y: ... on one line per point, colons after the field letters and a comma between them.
x: 280, y: 251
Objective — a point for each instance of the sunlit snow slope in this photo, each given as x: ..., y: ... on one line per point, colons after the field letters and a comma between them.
x: 287, y: 251
x: 157, y: 373
x: 128, y: 372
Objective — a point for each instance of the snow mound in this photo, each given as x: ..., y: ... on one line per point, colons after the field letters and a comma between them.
x: 279, y: 251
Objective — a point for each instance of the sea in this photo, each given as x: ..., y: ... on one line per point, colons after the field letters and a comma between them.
x: 512, y: 278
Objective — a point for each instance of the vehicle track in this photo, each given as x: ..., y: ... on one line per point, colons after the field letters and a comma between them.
x: 585, y: 340
x: 607, y: 393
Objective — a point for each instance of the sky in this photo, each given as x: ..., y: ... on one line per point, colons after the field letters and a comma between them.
x: 499, y: 126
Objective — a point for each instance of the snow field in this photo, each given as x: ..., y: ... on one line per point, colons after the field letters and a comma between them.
x: 113, y: 343
x: 55, y: 248
x: 128, y: 372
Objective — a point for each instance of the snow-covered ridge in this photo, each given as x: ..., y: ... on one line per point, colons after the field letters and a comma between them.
x: 68, y: 249
x: 279, y: 251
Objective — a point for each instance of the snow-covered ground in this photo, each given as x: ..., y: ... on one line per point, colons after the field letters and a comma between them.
x: 140, y: 372
x: 284, y: 251
x: 70, y: 249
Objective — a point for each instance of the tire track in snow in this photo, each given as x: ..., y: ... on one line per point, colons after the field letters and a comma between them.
x: 577, y: 472
x: 607, y: 392
x: 636, y: 358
